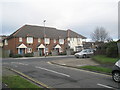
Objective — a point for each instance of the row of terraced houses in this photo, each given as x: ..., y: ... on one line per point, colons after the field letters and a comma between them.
x: 44, y: 40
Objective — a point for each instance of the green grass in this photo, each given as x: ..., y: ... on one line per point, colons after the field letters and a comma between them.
x: 18, y: 82
x: 104, y: 59
x: 97, y: 68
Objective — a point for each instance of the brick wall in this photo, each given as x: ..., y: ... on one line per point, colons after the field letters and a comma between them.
x: 13, y: 43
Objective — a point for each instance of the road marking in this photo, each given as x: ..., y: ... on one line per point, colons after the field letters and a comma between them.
x: 19, y: 63
x: 52, y: 71
x: 50, y: 63
x: 104, y: 85
x: 82, y: 65
x: 29, y: 78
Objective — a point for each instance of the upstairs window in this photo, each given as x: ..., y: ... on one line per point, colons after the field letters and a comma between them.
x: 54, y: 40
x: 30, y: 40
x: 39, y: 40
x: 47, y: 41
x: 61, y: 41
x: 20, y: 39
x: 6, y: 42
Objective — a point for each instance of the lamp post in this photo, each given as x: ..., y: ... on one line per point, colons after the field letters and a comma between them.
x: 44, y: 36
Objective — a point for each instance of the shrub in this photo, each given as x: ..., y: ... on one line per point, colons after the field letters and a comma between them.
x: 63, y: 53
x: 17, y: 55
x: 109, y: 49
x: 112, y: 50
x: 28, y: 55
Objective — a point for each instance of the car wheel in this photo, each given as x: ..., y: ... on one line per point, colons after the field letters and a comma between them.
x: 84, y: 56
x: 116, y: 76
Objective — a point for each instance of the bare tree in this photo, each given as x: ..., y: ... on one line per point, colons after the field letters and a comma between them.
x: 99, y: 35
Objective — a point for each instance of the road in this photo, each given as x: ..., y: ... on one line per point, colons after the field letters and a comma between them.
x: 58, y: 76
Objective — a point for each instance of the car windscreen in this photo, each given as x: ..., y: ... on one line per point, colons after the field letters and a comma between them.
x: 118, y: 63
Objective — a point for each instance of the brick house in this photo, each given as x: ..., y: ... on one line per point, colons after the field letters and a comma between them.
x: 31, y: 38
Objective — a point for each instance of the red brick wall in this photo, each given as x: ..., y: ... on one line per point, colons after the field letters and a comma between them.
x: 13, y: 43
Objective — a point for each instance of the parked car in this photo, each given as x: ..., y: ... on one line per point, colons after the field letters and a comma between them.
x: 116, y: 72
x: 84, y: 53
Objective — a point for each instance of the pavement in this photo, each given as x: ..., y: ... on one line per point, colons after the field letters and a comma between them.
x: 75, y: 62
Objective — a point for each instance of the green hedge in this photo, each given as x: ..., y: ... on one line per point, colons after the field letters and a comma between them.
x: 28, y: 55
x: 109, y: 49
x: 17, y: 56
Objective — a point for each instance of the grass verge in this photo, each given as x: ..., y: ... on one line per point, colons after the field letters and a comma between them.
x: 18, y: 82
x: 97, y: 68
x: 104, y: 60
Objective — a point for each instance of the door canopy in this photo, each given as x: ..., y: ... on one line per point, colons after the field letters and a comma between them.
x: 57, y: 46
x: 22, y: 46
x: 41, y: 46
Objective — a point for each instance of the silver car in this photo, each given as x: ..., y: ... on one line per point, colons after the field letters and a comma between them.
x: 84, y: 53
x: 116, y: 72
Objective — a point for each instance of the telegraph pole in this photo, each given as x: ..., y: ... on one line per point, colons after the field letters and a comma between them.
x: 44, y: 36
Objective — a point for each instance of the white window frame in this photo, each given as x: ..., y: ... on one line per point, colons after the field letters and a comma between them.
x: 46, y: 50
x: 61, y: 41
x: 20, y: 39
x: 60, y: 50
x: 54, y: 40
x: 29, y: 50
x: 29, y: 40
x: 6, y: 42
x: 47, y: 40
x: 39, y: 40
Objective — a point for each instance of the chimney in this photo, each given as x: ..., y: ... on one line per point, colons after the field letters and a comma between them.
x: 68, y: 33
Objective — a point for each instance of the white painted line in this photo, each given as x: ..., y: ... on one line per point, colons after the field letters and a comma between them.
x: 50, y: 63
x: 52, y: 71
x: 82, y: 65
x: 19, y: 63
x: 104, y: 86
x: 63, y: 64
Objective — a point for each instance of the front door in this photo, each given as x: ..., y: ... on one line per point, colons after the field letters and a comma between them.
x: 21, y: 51
x: 41, y: 50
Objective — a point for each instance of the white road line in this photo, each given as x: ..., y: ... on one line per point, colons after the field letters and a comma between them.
x: 50, y: 63
x: 52, y: 71
x: 19, y: 63
x: 104, y: 85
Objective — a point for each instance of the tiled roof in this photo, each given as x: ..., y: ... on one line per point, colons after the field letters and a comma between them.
x: 40, y: 32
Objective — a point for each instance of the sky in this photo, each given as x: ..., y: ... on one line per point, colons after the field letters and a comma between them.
x: 81, y: 16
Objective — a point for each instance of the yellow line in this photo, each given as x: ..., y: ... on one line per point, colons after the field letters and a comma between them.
x: 37, y: 82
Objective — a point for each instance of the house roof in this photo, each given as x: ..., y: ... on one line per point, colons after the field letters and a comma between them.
x: 41, y: 32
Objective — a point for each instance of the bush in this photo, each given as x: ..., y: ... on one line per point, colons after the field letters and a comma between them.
x: 112, y: 50
x: 28, y: 55
x: 109, y: 49
x: 17, y: 55
x: 63, y: 53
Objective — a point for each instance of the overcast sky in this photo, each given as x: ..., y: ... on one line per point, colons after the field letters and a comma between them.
x: 81, y: 16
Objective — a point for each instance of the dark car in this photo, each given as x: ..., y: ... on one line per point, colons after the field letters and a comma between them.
x: 116, y: 72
